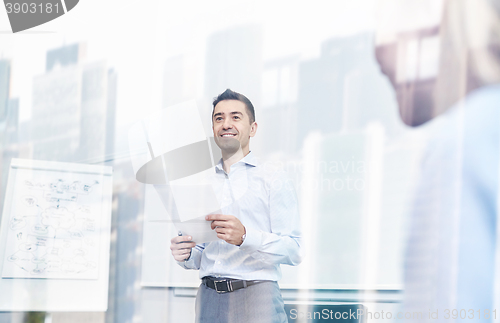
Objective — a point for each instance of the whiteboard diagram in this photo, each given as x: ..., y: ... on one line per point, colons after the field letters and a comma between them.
x: 55, y: 237
x: 54, y: 226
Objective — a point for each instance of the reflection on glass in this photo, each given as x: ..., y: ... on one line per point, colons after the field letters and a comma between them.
x: 383, y: 101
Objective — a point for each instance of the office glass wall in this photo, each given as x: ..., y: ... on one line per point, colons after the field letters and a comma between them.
x: 383, y: 114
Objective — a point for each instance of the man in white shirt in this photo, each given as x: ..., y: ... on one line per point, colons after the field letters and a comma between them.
x: 258, y: 230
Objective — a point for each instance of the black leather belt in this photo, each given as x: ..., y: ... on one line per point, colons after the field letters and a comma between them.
x: 224, y: 285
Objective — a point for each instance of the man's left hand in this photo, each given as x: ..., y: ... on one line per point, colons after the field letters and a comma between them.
x: 228, y: 228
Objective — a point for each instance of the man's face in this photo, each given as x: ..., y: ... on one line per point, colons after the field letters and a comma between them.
x: 407, y: 50
x: 232, y: 127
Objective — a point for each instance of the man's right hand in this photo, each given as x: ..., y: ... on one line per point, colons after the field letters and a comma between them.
x: 181, y: 247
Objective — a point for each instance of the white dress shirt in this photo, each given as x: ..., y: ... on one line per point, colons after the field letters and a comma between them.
x: 264, y: 200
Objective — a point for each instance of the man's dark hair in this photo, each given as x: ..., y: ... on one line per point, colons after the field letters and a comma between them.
x: 231, y: 95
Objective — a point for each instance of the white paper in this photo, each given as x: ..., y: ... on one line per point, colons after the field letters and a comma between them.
x: 194, y: 195
x: 185, y: 200
x: 199, y: 229
x: 54, y: 226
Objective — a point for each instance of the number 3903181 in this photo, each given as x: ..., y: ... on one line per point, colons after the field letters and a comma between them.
x: 470, y: 314
x: 32, y: 7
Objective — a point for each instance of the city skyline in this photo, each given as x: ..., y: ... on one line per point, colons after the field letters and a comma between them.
x: 189, y: 41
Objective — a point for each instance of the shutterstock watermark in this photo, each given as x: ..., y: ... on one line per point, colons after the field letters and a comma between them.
x: 26, y: 14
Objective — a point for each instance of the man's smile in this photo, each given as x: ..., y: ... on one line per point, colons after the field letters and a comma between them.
x: 228, y: 134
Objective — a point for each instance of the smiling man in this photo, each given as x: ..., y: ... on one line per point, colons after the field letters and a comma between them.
x: 258, y: 230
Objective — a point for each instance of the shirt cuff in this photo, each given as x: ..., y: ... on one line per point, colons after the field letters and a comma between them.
x: 188, y: 263
x: 252, y: 241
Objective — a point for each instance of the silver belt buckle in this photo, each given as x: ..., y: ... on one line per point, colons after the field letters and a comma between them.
x: 229, y: 286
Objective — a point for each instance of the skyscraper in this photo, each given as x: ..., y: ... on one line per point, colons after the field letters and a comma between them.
x: 5, y: 67
x: 12, y: 122
x: 234, y: 60
x: 174, y: 81
x: 322, y: 83
x: 56, y: 109
x: 65, y: 56
x: 73, y: 108
x: 95, y: 98
x: 8, y: 143
x: 111, y: 113
x: 277, y: 116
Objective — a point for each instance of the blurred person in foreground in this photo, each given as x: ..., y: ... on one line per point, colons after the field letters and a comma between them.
x: 451, y: 263
x: 259, y: 230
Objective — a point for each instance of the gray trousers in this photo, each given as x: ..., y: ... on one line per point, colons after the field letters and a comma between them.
x: 257, y: 303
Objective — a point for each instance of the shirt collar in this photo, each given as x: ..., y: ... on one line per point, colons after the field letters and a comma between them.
x: 249, y: 159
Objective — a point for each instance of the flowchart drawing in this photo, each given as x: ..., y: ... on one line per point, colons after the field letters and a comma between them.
x: 54, y: 227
